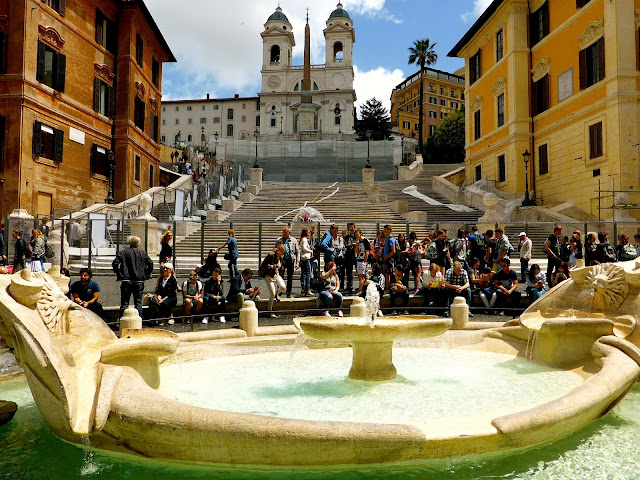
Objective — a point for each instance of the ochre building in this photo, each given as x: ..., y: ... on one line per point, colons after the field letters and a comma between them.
x: 443, y: 94
x: 559, y: 79
x: 80, y: 91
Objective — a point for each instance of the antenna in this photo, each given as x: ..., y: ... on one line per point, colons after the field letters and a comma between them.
x: 307, y: 15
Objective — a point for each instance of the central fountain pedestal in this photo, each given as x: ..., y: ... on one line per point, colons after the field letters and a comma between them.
x: 372, y: 362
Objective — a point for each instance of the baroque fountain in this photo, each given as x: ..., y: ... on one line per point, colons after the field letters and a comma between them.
x: 570, y: 358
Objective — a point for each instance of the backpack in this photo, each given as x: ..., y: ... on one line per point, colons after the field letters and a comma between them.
x: 628, y: 252
x: 48, y: 250
x: 608, y: 253
x: 432, y: 252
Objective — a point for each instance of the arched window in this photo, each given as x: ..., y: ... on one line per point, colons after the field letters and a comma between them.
x: 163, y: 139
x: 177, y: 139
x: 315, y: 86
x: 202, y: 138
x: 338, y: 54
x: 189, y: 138
x: 296, y: 87
x: 275, y: 55
x: 229, y: 130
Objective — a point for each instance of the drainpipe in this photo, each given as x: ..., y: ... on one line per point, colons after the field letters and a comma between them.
x: 533, y: 135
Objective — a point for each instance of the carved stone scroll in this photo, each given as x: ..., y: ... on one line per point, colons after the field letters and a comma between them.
x: 51, y: 37
x: 540, y: 69
x: 103, y: 72
x: 592, y: 32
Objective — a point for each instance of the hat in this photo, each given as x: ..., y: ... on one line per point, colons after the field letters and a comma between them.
x: 522, y: 234
x: 168, y: 265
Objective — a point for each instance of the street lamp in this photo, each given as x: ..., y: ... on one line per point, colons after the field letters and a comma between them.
x: 527, y: 201
x: 280, y: 125
x: 255, y: 134
x: 111, y: 159
x: 202, y: 136
x: 215, y: 146
x: 368, y: 134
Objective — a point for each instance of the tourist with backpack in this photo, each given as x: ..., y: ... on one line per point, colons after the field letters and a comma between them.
x: 625, y: 251
x: 605, y: 252
x: 477, y: 246
x: 459, y: 249
x: 440, y: 259
x: 552, y: 248
x: 327, y: 244
x: 388, y: 254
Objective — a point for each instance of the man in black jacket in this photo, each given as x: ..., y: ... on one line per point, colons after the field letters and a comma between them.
x: 132, y: 267
x: 241, y: 288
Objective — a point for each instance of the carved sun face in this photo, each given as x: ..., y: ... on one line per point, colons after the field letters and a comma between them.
x: 609, y: 286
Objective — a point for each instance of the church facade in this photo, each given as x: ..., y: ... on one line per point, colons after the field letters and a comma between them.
x: 329, y: 98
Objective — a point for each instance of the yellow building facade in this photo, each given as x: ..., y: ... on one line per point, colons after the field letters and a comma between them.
x: 561, y: 80
x: 443, y: 94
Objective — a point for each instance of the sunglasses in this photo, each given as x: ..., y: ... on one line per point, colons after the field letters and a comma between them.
x: 192, y: 277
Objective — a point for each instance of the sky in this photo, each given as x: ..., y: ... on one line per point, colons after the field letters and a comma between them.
x: 218, y: 46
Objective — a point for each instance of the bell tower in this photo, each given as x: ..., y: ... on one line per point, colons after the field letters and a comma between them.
x: 339, y: 38
x: 277, y: 43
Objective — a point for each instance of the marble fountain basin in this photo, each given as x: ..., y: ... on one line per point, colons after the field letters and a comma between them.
x: 95, y: 389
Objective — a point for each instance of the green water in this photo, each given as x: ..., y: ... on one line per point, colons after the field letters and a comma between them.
x: 608, y: 449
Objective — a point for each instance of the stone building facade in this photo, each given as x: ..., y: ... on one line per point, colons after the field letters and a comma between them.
x: 81, y: 91
x: 560, y: 80
x: 443, y: 95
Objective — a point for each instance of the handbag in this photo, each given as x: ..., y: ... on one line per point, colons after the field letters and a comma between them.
x: 318, y: 284
x: 227, y: 256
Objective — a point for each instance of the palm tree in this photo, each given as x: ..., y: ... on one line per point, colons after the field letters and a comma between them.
x: 423, y: 55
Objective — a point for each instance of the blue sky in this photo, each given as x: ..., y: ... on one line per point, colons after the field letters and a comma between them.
x: 219, y: 49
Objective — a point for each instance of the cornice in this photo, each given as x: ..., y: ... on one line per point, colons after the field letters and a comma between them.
x: 140, y: 90
x: 592, y: 32
x: 51, y: 37
x: 540, y: 69
x: 103, y: 72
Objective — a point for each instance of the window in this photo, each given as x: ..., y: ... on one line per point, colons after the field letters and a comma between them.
x: 475, y: 67
x: 139, y: 49
x: 2, y: 142
x: 416, y: 127
x: 136, y: 169
x: 443, y: 102
x: 591, y: 61
x: 48, y: 142
x: 244, y: 119
x: 478, y: 173
x: 433, y: 100
x: 229, y: 130
x: 539, y: 24
x: 164, y: 122
x: 275, y: 55
x: 203, y: 138
x: 441, y: 91
x: 273, y: 122
x: 500, y: 109
x: 177, y: 121
x: 502, y: 169
x: 338, y: 54
x: 215, y: 107
x: 163, y: 138
x: 257, y: 105
x: 164, y: 109
x: 105, y: 32
x: 257, y: 120
x: 51, y: 67
x: 57, y: 5
x: 581, y: 3
x: 99, y: 161
x: 432, y: 129
x: 406, y: 125
x: 452, y: 94
x: 230, y: 114
x: 151, y: 176
x: 433, y: 114
x: 139, y: 114
x: 443, y: 115
x: 216, y: 119
x: 177, y: 109
x: 543, y: 159
x: 189, y: 138
x: 336, y: 120
x: 190, y: 121
x: 595, y: 140
x: 203, y: 119
x: 416, y: 103
x: 431, y: 90
x: 499, y: 45
x: 477, y: 129
x: 154, y: 127
x: 155, y: 71
x: 540, y: 95
x: 455, y: 105
x: 203, y: 107
x: 104, y: 99
x: 188, y: 108
x: 461, y: 95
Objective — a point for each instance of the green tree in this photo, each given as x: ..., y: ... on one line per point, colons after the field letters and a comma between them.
x: 374, y: 118
x: 446, y: 145
x: 423, y: 55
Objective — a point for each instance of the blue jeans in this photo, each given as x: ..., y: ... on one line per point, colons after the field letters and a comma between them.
x: 326, y: 298
x: 305, y: 275
x: 128, y: 288
x: 466, y: 293
x: 536, y: 293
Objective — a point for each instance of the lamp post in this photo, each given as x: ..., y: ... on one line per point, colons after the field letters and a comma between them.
x: 368, y: 134
x: 111, y: 158
x: 527, y: 201
x: 256, y: 133
x: 281, y: 125
x: 215, y: 145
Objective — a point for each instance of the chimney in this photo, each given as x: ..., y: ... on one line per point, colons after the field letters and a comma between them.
x: 207, y: 96
x: 237, y: 95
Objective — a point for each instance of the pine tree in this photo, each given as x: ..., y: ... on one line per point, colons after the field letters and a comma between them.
x: 374, y: 118
x: 446, y: 145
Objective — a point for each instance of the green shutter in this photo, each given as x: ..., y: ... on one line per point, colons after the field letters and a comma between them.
x: 58, y: 145
x: 111, y: 94
x: 96, y: 95
x: 40, y: 64
x: 36, y: 141
x: 60, y: 68
x: 582, y: 61
x: 99, y: 23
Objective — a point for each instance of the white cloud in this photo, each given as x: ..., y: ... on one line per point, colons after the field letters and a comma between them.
x: 479, y: 7
x: 218, y: 45
x: 377, y: 83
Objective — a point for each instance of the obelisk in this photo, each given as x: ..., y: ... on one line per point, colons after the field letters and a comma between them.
x: 307, y: 111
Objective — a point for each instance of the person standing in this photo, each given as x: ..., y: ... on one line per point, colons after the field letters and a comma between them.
x: 388, y: 254
x: 44, y: 228
x: 503, y: 248
x: 75, y: 235
x: 271, y: 265
x: 525, y: 255
x: 166, y: 250
x: 306, y: 252
x: 85, y: 292
x: 350, y: 243
x: 291, y: 257
x: 232, y: 255
x: 605, y: 252
x: 363, y: 249
x: 19, y: 251
x: 328, y: 242
x: 132, y: 267
x: 552, y: 248
x: 37, y: 251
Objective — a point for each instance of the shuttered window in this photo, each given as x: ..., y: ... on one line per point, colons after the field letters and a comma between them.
x: 99, y: 160
x: 136, y: 169
x: 155, y: 73
x: 139, y: 50
x: 539, y: 24
x: 592, y: 66
x: 154, y: 127
x: 104, y: 98
x: 477, y: 128
x: 500, y: 109
x: 58, y: 5
x: 595, y: 140
x: 106, y: 32
x: 502, y: 169
x: 543, y: 159
x: 581, y: 3
x: 475, y: 66
x: 51, y: 67
x: 139, y: 113
x: 47, y: 142
x: 540, y: 95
